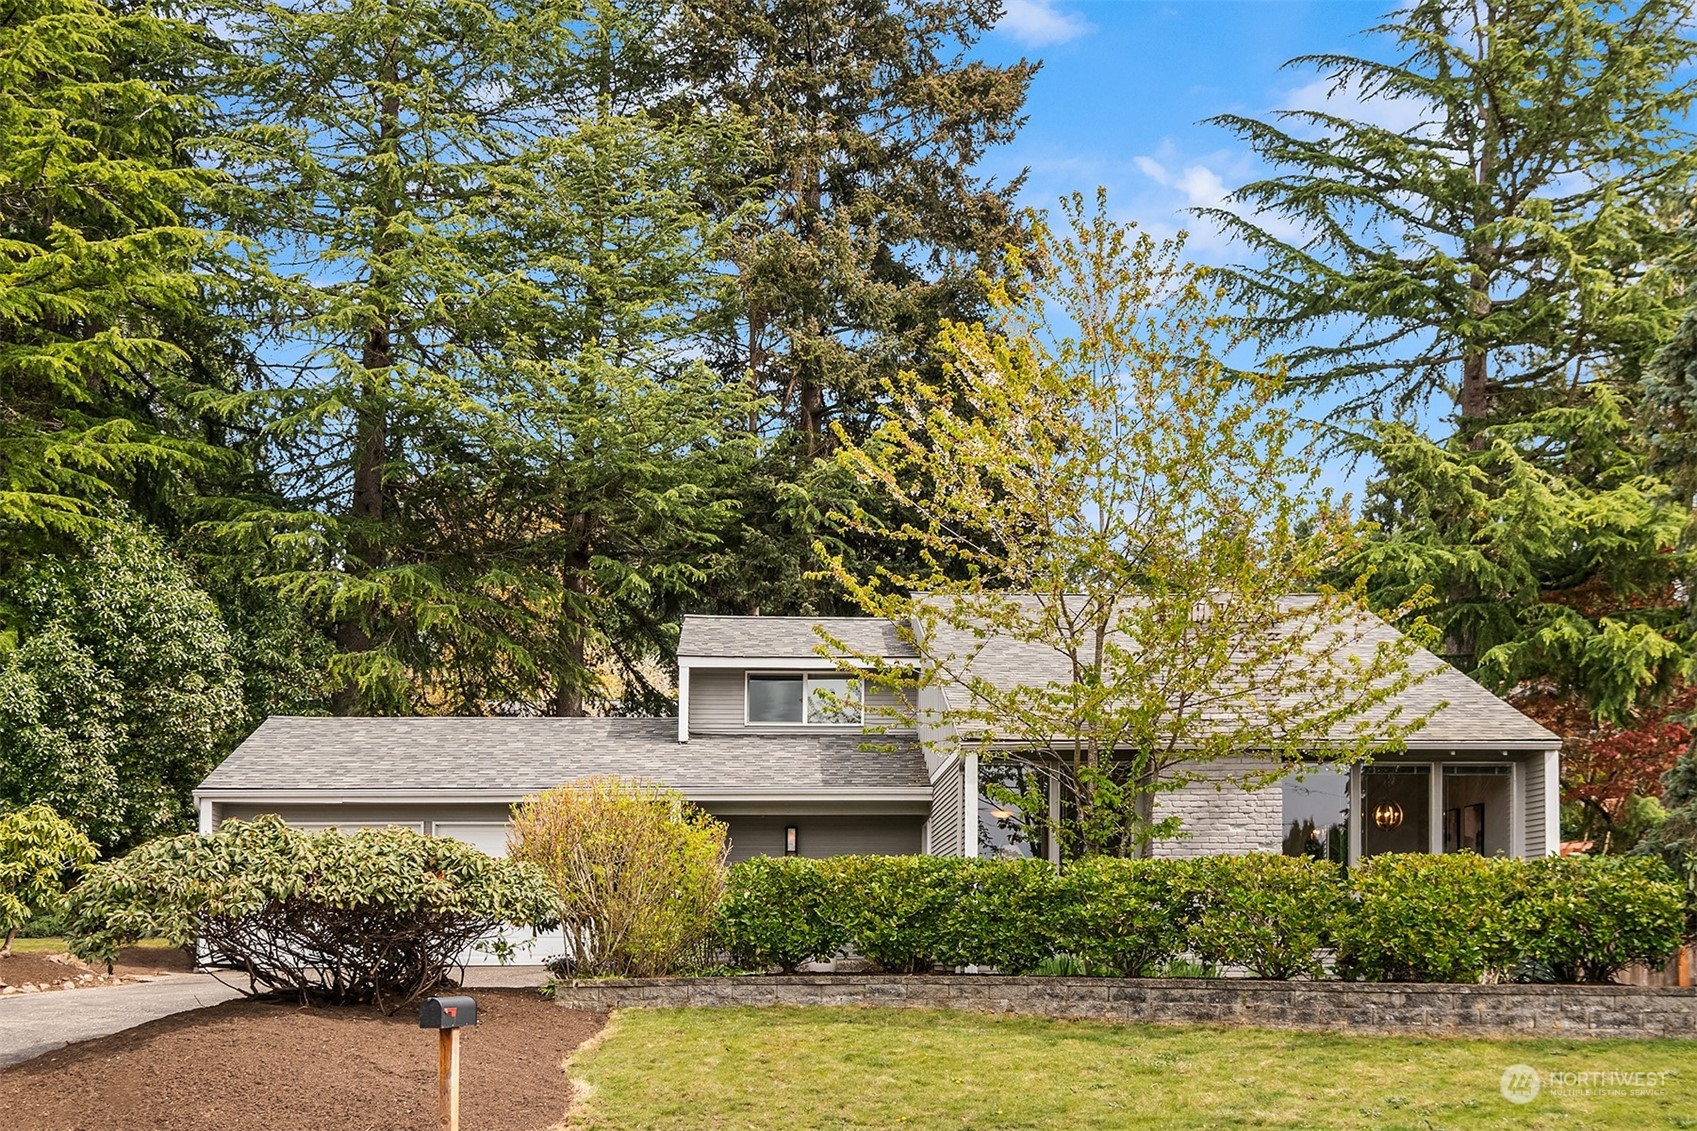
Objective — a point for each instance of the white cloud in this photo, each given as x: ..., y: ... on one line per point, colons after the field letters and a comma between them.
x: 1038, y: 23
x: 1400, y: 115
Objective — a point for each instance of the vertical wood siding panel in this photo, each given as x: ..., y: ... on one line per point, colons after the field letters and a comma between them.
x: 948, y: 814
x: 1532, y: 804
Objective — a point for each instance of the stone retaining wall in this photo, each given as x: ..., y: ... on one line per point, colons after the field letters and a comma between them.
x: 1453, y: 1010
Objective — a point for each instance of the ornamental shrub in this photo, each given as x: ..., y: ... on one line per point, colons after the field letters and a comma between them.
x: 38, y: 850
x: 637, y: 873
x: 1005, y: 914
x: 1126, y: 916
x: 378, y: 915
x: 1585, y: 918
x: 1271, y: 914
x: 1416, y: 918
x: 775, y: 914
x: 895, y: 910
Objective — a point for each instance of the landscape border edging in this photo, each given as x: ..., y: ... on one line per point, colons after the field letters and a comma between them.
x: 1425, y: 1009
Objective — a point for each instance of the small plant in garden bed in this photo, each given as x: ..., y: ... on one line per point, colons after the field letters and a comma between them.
x: 380, y: 915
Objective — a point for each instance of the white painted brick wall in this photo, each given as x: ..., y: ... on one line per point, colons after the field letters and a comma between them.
x: 1219, y: 817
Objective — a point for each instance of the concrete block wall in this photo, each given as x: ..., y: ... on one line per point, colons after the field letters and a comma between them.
x: 1356, y: 1007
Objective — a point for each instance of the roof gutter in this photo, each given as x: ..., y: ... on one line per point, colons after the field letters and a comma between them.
x: 452, y: 796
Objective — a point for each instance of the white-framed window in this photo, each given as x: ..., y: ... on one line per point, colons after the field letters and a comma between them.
x: 803, y: 699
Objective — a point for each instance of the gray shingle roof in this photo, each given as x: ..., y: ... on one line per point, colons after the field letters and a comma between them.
x: 520, y: 756
x: 1466, y: 715
x: 732, y: 637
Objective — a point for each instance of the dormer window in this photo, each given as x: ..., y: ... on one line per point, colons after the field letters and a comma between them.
x: 795, y: 699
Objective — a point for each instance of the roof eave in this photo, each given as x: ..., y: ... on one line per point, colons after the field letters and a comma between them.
x: 343, y: 796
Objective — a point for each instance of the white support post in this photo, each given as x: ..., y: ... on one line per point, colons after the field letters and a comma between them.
x: 1435, y: 810
x: 208, y: 818
x: 1352, y: 849
x: 683, y: 702
x: 969, y: 819
x: 1552, y: 803
x: 1054, y: 781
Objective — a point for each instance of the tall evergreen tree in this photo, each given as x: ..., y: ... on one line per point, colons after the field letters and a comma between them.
x: 867, y: 122
x: 478, y: 263
x: 1506, y: 252
x: 1508, y: 245
x: 106, y: 358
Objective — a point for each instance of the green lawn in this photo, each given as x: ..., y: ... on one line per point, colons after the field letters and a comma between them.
x: 807, y: 1069
x: 56, y: 945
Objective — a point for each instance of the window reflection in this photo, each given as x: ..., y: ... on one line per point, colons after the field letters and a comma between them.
x: 1004, y: 793
x: 1316, y: 815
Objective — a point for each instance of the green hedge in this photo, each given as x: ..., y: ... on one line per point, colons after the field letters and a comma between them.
x: 774, y: 914
x: 1270, y: 914
x: 1125, y: 917
x: 1432, y: 919
x: 1457, y: 918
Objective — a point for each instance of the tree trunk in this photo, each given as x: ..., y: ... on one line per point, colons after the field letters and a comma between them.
x: 6, y: 949
x: 570, y: 676
x: 371, y: 435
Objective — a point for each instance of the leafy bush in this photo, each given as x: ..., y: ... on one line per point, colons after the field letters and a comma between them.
x: 1271, y: 914
x: 1125, y: 916
x: 775, y: 914
x: 1421, y: 918
x: 379, y: 915
x: 38, y: 849
x: 1004, y: 914
x: 1585, y: 918
x: 895, y: 910
x: 637, y: 873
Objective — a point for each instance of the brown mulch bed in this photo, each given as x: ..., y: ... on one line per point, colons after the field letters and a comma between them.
x: 44, y: 973
x: 52, y: 972
x: 261, y: 1066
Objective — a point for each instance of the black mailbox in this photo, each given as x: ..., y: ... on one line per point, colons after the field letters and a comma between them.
x: 447, y: 1013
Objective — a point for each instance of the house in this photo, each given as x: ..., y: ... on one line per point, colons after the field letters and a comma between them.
x: 798, y: 757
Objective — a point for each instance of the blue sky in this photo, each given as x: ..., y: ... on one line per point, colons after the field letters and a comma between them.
x: 1126, y: 84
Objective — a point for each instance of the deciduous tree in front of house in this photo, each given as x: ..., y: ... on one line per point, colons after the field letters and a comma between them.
x: 1099, y: 497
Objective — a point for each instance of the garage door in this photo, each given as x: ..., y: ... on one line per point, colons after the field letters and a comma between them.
x: 528, y: 949
x: 354, y: 826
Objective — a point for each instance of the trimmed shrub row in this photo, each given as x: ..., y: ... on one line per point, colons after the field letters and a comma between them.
x: 1457, y: 918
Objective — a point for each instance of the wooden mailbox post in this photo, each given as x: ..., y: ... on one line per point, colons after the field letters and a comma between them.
x: 447, y: 1015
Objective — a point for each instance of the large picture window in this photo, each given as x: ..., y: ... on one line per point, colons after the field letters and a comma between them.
x: 1316, y: 815
x: 797, y: 700
x: 1396, y: 809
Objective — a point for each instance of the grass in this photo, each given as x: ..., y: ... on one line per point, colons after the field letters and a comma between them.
x: 53, y: 944
x: 781, y: 1069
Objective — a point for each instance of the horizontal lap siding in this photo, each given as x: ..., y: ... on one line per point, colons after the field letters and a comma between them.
x: 826, y: 836
x: 715, y: 701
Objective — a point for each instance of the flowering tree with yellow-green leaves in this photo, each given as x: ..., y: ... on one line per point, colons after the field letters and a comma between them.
x: 1123, y: 540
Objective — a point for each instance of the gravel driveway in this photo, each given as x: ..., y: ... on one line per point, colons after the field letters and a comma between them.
x: 31, y: 1024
